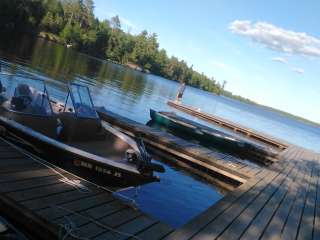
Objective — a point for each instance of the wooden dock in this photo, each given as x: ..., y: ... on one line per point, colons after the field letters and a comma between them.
x: 229, y: 125
x: 281, y: 202
x: 50, y: 203
x: 224, y: 170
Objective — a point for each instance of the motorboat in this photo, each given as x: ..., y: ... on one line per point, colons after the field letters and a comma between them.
x: 59, y: 121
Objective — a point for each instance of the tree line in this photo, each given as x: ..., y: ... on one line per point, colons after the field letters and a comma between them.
x: 72, y: 22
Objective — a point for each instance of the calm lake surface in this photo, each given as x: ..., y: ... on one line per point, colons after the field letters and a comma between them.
x: 179, y: 196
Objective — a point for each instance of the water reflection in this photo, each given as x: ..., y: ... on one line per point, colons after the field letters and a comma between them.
x: 60, y: 63
x: 132, y: 93
x: 129, y: 93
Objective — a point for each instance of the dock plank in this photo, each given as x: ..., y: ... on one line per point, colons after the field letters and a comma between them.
x: 128, y: 229
x: 275, y: 226
x: 18, y: 166
x: 316, y: 227
x: 57, y: 198
x: 291, y: 227
x: 93, y: 228
x: 192, y: 227
x: 308, y: 216
x: 27, y: 174
x: 241, y: 222
x: 58, y: 211
x: 219, y: 225
x: 40, y: 191
x: 84, y: 217
x: 15, y: 186
x: 285, y: 204
x: 260, y: 222
x: 155, y: 232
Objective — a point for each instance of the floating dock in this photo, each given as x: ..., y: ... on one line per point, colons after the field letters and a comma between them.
x: 224, y: 170
x: 279, y: 201
x: 229, y: 125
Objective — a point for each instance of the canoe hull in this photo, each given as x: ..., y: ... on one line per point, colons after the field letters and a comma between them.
x: 211, y: 138
x: 205, y: 138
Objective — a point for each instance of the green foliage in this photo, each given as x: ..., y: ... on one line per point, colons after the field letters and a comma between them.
x: 71, y: 34
x: 73, y: 23
x: 20, y: 16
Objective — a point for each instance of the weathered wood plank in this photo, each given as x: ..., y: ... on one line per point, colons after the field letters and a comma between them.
x: 58, y: 211
x: 291, y: 227
x: 242, y: 222
x: 155, y: 232
x: 40, y: 191
x: 126, y: 230
x: 18, y: 176
x: 84, y: 217
x: 15, y: 186
x: 58, y: 198
x: 196, y: 225
x: 259, y: 222
x: 216, y: 227
x: 105, y: 209
x: 275, y: 226
x: 18, y: 166
x: 307, y: 219
x: 109, y: 223
x: 316, y: 227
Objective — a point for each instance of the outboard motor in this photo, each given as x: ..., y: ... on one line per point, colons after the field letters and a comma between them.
x: 144, y: 163
x: 142, y: 160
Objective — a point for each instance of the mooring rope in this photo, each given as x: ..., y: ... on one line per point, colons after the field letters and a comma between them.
x: 81, y: 188
x: 71, y: 227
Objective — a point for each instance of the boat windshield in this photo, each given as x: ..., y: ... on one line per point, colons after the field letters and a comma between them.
x: 31, y: 95
x: 82, y: 101
x: 23, y: 94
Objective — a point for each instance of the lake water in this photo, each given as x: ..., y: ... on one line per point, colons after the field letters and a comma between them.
x: 179, y: 196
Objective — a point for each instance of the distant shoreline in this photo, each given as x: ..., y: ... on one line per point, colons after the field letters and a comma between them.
x: 54, y: 38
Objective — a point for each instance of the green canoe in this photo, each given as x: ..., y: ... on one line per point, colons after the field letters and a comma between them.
x: 211, y: 137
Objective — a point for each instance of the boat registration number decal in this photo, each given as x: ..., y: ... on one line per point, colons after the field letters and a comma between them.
x: 80, y: 163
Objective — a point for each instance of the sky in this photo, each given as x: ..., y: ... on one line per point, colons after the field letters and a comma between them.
x: 267, y: 51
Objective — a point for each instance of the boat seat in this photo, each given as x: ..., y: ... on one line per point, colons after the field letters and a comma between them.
x: 22, y: 97
x: 79, y: 129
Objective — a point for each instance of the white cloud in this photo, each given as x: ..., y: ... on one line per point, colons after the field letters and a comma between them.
x: 127, y: 23
x: 278, y: 39
x: 280, y: 59
x: 298, y: 70
x: 219, y: 64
